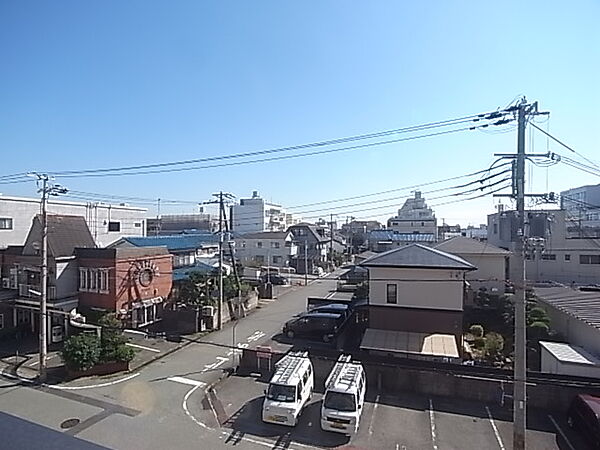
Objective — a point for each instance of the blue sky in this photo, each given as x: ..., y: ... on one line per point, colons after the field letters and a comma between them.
x: 103, y: 84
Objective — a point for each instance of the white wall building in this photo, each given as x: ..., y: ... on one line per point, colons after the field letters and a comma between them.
x: 272, y: 248
x: 414, y: 217
x: 106, y: 222
x: 255, y: 214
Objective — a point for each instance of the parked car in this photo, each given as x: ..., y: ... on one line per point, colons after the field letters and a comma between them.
x: 315, y: 325
x: 274, y: 279
x: 334, y: 308
x: 584, y: 415
x: 318, y: 271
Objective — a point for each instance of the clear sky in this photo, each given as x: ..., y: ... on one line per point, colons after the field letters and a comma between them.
x: 102, y: 84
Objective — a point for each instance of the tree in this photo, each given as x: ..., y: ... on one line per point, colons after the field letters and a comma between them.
x: 476, y: 331
x: 81, y: 351
x: 196, y: 289
x: 112, y: 341
x: 494, y: 344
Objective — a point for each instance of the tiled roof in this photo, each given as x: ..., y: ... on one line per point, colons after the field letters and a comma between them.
x: 65, y: 233
x: 265, y: 235
x: 174, y: 242
x: 394, y: 236
x: 465, y: 245
x: 417, y: 255
x: 183, y: 273
x: 582, y: 305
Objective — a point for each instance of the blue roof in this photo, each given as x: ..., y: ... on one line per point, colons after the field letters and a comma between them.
x: 183, y: 273
x: 175, y: 242
x: 394, y: 236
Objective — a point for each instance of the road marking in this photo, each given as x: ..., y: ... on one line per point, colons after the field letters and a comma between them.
x: 110, y: 383
x: 142, y: 347
x: 255, y: 336
x: 562, y: 433
x: 432, y: 420
x: 15, y: 377
x: 373, y: 415
x: 498, y: 438
x: 187, y: 411
x: 187, y: 381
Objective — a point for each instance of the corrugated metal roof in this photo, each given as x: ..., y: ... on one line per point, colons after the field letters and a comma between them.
x: 175, y: 242
x: 570, y: 353
x: 584, y: 306
x: 429, y: 344
x: 394, y: 236
x: 417, y: 255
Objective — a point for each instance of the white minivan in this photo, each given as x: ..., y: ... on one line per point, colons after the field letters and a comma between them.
x: 344, y: 398
x: 289, y: 390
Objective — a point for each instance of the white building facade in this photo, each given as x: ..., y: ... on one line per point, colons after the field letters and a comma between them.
x: 106, y: 222
x: 253, y: 215
x: 272, y: 248
x: 414, y: 217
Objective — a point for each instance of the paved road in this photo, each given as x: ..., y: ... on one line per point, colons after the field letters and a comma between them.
x: 157, y: 407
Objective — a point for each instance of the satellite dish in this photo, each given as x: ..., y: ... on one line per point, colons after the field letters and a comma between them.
x: 36, y: 245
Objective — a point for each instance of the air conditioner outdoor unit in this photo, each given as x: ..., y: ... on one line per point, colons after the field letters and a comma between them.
x: 208, y: 311
x: 6, y: 283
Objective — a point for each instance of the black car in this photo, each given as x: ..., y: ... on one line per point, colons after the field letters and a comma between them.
x: 583, y: 415
x: 316, y: 325
x: 333, y: 308
x: 273, y: 279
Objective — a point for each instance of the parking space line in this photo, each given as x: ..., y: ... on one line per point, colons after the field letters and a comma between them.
x: 373, y: 415
x: 432, y: 421
x: 562, y: 433
x: 129, y: 344
x: 188, y: 381
x: 498, y: 438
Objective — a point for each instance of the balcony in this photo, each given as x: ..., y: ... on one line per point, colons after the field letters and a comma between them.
x: 32, y: 290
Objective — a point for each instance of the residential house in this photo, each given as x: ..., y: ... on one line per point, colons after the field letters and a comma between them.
x: 357, y: 231
x: 479, y: 233
x: 132, y: 282
x: 312, y: 248
x: 254, y: 215
x: 416, y: 289
x: 446, y: 231
x: 491, y: 262
x: 266, y: 248
x: 554, y: 252
x: 21, y: 275
x: 106, y: 222
x: 384, y: 240
x: 414, y: 217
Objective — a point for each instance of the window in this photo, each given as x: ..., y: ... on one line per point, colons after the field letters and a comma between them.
x: 567, y: 257
x: 548, y: 257
x: 103, y: 281
x: 274, y: 244
x: 1, y: 321
x: 137, y: 224
x: 259, y: 244
x: 93, y: 280
x: 495, y: 228
x: 276, y: 259
x: 83, y: 279
x: 392, y: 293
x: 260, y: 259
x: 114, y: 226
x: 6, y: 223
x: 589, y: 259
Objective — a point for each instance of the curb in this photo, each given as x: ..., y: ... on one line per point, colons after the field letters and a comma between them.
x: 167, y: 353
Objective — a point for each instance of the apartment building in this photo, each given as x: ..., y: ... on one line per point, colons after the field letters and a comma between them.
x: 414, y: 217
x: 255, y: 214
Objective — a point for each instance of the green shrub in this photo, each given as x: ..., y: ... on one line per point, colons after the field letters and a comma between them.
x: 479, y: 343
x: 81, y: 352
x: 494, y: 344
x: 476, y: 331
x: 123, y: 353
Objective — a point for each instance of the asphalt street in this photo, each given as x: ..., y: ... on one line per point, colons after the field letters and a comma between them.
x: 157, y: 407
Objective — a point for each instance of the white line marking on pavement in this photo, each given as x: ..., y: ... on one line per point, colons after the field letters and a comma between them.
x: 142, y: 347
x: 562, y: 433
x: 187, y: 381
x: 91, y: 386
x: 432, y: 420
x: 255, y: 336
x: 15, y: 377
x: 373, y: 415
x: 222, y: 358
x: 498, y: 438
x: 187, y: 411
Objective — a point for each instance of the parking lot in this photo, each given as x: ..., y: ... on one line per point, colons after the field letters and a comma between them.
x: 399, y: 421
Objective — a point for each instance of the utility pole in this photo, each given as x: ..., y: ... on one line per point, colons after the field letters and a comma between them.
x: 331, y: 241
x: 523, y: 110
x: 306, y: 262
x: 519, y: 393
x: 46, y: 189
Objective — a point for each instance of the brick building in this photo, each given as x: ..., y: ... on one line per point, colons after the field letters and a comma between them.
x: 133, y: 282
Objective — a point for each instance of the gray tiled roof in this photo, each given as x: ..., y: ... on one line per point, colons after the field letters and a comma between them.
x: 394, y: 236
x: 417, y: 255
x: 584, y: 306
x: 465, y: 245
x: 264, y: 235
x: 65, y: 233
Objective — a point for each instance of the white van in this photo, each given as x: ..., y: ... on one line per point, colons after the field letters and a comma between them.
x: 289, y: 390
x: 344, y: 397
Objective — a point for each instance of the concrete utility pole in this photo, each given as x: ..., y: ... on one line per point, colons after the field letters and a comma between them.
x: 519, y: 394
x: 524, y: 110
x: 46, y: 189
x: 331, y: 240
x: 220, y: 305
x: 306, y: 262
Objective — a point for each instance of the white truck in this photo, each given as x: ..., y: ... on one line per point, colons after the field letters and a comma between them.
x: 289, y: 390
x: 344, y: 398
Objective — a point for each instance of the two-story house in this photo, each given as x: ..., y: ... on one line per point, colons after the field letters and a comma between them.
x: 21, y: 275
x: 416, y: 289
x: 132, y: 282
x: 267, y: 248
x: 312, y: 248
